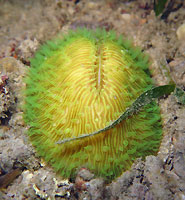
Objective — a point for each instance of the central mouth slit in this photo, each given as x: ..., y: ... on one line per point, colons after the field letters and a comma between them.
x: 99, y: 71
x: 99, y: 68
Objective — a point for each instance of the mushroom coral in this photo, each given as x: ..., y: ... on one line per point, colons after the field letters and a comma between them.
x: 80, y: 83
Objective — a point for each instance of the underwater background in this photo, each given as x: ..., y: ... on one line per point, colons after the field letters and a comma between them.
x: 159, y: 30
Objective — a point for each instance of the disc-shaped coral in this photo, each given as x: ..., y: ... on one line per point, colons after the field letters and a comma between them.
x: 79, y: 84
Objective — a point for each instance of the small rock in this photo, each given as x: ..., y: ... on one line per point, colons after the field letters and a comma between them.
x: 181, y: 32
x: 120, y: 185
x: 158, y: 182
x: 138, y: 190
x: 71, y: 10
x: 85, y: 174
x: 80, y: 184
x: 179, y: 139
x: 180, y: 196
x: 126, y: 17
x: 92, y: 5
x: 8, y: 64
x: 179, y: 165
x: 96, y: 188
x: 177, y: 70
x: 27, y: 48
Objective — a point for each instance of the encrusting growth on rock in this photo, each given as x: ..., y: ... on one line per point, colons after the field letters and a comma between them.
x: 79, y: 84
